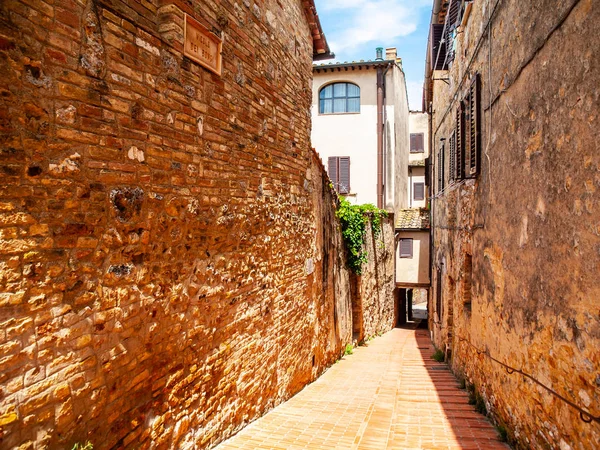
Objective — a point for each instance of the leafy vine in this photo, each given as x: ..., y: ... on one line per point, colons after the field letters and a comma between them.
x: 354, y: 220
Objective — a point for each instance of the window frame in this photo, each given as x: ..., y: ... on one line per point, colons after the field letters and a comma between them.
x: 422, y: 149
x: 336, y: 179
x: 347, y: 97
x: 406, y: 255
x: 415, y: 191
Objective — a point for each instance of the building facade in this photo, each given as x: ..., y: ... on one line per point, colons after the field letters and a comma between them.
x: 512, y: 90
x: 418, y: 125
x: 360, y: 129
x: 412, y: 223
x: 171, y: 266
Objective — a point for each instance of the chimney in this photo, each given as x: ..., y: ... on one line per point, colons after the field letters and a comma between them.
x: 390, y: 54
x: 379, y: 54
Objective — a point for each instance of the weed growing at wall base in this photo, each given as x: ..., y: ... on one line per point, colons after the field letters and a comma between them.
x: 354, y: 220
x: 438, y: 355
x: 87, y: 446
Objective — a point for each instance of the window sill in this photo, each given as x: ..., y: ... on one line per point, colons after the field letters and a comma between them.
x: 340, y: 114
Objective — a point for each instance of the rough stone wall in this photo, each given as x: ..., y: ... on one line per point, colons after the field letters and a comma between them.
x: 519, y: 247
x: 170, y: 265
x: 373, y: 294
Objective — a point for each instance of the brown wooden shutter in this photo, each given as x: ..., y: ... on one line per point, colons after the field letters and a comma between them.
x: 438, y: 294
x: 417, y: 143
x: 406, y: 248
x: 436, y: 37
x: 460, y: 142
x: 452, y: 144
x: 440, y: 169
x: 419, y: 191
x: 473, y: 125
x: 332, y: 166
x: 344, y: 175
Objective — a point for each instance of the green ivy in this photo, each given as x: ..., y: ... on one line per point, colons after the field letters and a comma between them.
x: 354, y: 220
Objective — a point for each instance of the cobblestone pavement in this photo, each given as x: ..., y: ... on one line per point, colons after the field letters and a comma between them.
x: 388, y: 394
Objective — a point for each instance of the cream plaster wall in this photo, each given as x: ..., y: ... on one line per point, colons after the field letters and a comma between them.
x: 416, y: 175
x: 415, y: 269
x: 396, y: 93
x: 355, y: 135
x: 418, y: 123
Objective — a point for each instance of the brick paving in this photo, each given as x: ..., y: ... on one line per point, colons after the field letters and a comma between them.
x: 388, y: 394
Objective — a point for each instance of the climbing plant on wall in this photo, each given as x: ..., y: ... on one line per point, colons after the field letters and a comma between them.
x: 354, y: 219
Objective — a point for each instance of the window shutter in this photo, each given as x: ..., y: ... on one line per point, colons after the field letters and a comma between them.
x: 451, y: 20
x: 332, y: 163
x: 440, y: 169
x: 416, y: 143
x: 438, y: 294
x: 406, y: 248
x: 473, y: 126
x: 427, y: 169
x: 460, y: 142
x: 419, y: 191
x: 436, y: 37
x: 453, y: 176
x: 344, y: 175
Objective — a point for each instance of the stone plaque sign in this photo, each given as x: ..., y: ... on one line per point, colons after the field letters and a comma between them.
x: 201, y: 45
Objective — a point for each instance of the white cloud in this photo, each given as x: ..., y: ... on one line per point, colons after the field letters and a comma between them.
x: 363, y: 21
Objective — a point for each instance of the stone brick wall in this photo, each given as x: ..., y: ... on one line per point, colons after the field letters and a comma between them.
x: 170, y: 263
x: 518, y: 248
x: 373, y: 305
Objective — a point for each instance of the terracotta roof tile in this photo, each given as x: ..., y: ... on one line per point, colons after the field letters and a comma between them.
x: 413, y: 219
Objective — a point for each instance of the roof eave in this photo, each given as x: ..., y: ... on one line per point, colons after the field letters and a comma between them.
x: 352, y: 64
x: 321, y: 49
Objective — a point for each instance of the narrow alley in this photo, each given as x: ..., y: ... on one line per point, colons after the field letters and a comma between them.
x: 389, y: 394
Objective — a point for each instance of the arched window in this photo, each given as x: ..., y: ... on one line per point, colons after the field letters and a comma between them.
x: 339, y: 98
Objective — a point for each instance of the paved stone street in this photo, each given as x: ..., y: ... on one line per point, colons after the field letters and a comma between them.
x: 387, y: 394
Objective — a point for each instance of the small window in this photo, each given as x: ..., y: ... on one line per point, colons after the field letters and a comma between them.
x: 465, y: 145
x: 419, y: 191
x: 339, y: 98
x: 440, y: 169
x: 406, y: 248
x: 338, y: 168
x: 438, y: 294
x: 416, y: 143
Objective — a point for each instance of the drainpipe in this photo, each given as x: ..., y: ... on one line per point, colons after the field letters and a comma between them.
x: 380, y: 138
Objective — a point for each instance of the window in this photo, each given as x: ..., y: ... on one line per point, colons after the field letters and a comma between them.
x: 339, y: 173
x: 465, y: 145
x: 452, y: 145
x: 406, y: 248
x: 339, y: 98
x: 472, y: 129
x: 416, y: 143
x: 440, y: 168
x: 438, y: 294
x: 419, y: 191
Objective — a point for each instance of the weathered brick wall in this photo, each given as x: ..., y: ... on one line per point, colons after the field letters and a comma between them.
x: 170, y: 263
x: 373, y: 302
x: 528, y: 226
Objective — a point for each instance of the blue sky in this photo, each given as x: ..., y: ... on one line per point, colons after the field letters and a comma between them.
x: 354, y: 28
